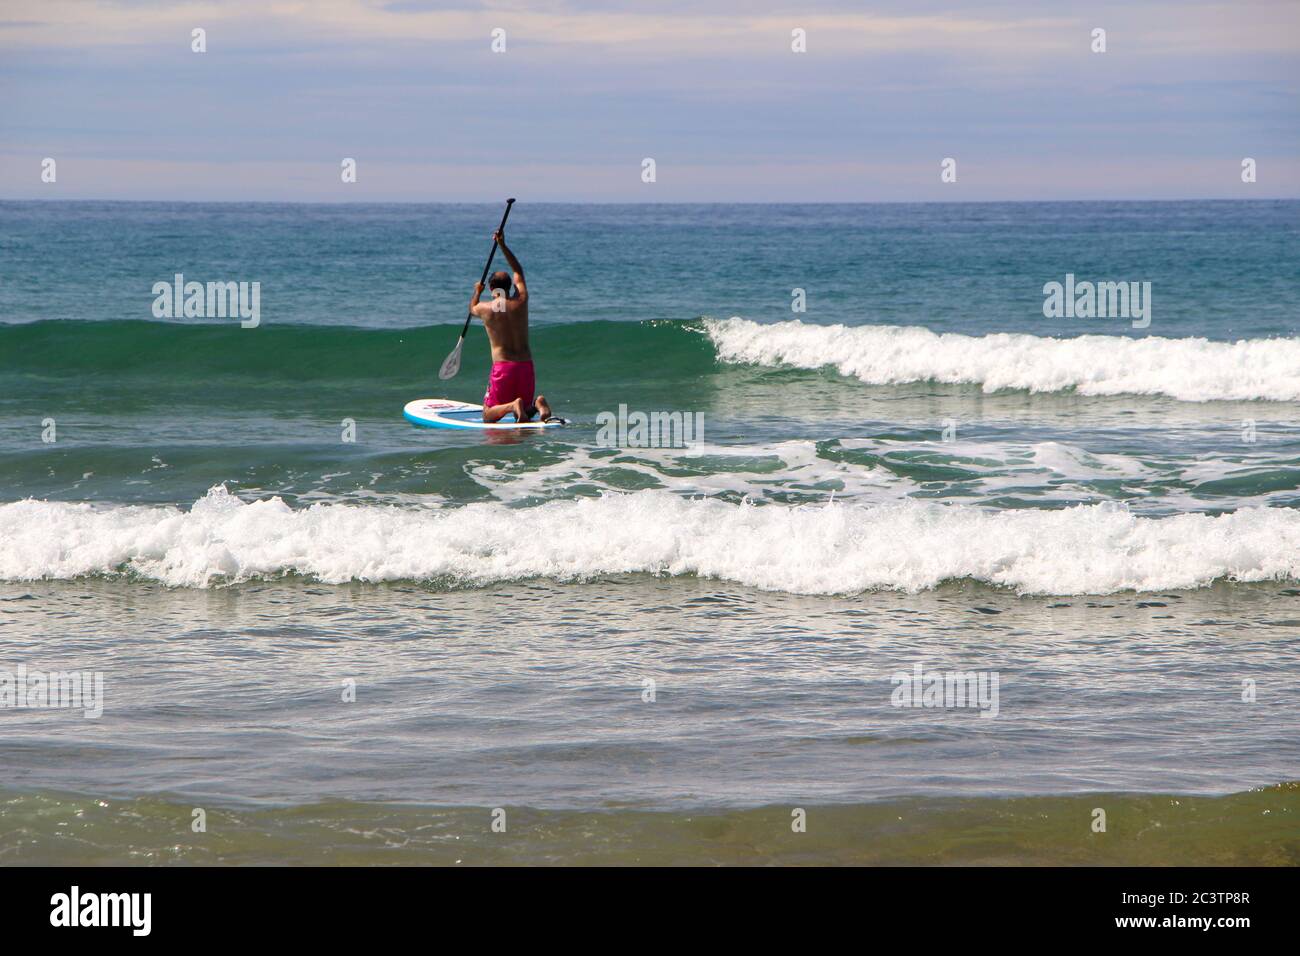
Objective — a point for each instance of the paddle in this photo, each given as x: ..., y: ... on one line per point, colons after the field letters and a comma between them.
x: 451, y: 365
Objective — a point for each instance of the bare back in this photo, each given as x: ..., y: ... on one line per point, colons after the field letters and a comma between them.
x: 507, y: 329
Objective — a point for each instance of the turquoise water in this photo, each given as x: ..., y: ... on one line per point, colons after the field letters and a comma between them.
x: 920, y: 468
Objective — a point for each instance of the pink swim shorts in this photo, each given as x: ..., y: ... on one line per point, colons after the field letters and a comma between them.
x: 510, y: 380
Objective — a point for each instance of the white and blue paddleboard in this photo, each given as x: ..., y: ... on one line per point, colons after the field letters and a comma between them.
x: 447, y: 413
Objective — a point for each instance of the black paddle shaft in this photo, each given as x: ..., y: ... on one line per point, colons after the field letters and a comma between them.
x: 491, y: 255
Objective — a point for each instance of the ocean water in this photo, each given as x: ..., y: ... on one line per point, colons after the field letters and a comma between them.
x: 347, y: 639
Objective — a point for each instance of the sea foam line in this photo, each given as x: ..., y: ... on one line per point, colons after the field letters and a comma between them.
x: 811, y: 549
x: 1192, y: 369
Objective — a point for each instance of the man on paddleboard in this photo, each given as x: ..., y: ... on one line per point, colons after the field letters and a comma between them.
x: 505, y: 316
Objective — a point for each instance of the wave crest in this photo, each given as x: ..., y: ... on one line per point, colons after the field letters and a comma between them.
x: 1192, y: 369
x: 838, y: 548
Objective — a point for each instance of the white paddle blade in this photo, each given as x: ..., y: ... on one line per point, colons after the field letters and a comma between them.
x: 451, y: 364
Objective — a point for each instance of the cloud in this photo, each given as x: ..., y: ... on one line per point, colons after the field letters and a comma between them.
x: 674, y: 30
x: 844, y: 180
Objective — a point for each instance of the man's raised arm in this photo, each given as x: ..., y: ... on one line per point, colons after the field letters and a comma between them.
x: 515, y: 267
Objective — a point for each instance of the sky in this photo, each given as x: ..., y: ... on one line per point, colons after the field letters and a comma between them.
x: 585, y: 92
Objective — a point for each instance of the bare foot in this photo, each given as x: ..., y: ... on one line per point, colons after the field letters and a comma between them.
x: 543, y: 409
x: 495, y: 413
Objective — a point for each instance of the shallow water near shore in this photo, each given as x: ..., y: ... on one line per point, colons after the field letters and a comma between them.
x: 532, y: 698
x: 1250, y: 829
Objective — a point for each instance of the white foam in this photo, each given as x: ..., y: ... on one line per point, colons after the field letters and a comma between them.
x: 1191, y: 369
x: 754, y: 471
x: 802, y: 471
x: 1067, y: 460
x: 812, y: 549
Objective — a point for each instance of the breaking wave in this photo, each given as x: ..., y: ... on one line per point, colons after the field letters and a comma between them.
x: 1192, y: 369
x: 836, y: 548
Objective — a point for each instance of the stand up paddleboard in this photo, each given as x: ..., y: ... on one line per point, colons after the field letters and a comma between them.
x: 446, y: 413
